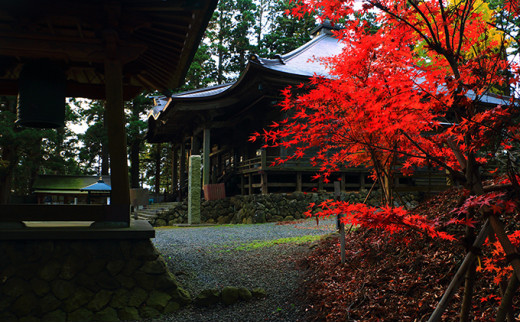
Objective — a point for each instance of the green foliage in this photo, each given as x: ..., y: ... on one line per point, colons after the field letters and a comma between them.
x: 239, y: 28
x: 94, y: 150
x: 27, y: 152
x: 287, y: 32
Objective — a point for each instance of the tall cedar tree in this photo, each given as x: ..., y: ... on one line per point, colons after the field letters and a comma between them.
x: 415, y: 93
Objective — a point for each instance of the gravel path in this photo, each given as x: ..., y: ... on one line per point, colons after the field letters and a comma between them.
x: 214, y: 257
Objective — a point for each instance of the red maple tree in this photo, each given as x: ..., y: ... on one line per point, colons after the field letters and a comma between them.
x: 429, y: 85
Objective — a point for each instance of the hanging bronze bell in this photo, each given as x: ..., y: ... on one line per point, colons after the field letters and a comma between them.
x: 41, y: 95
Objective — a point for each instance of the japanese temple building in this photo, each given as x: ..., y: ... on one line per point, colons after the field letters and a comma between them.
x: 220, y: 119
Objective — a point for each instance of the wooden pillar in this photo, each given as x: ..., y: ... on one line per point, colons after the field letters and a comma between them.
x: 195, y: 145
x: 250, y: 185
x: 175, y: 169
x: 320, y: 184
x: 343, y: 183
x: 115, y: 118
x: 362, y: 181
x: 206, y: 148
x: 242, y: 185
x: 299, y: 184
x: 182, y: 169
x: 263, y: 181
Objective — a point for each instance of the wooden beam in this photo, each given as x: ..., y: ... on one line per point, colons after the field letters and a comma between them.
x: 70, y: 49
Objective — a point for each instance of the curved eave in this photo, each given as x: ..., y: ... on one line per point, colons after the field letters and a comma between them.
x: 244, y: 91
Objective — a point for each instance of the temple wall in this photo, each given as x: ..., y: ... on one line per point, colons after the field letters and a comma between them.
x: 85, y: 280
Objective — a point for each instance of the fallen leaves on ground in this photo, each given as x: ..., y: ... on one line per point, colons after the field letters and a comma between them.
x: 392, y: 279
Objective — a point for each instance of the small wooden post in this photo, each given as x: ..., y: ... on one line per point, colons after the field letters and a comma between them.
x: 263, y: 159
x: 206, y: 148
x: 250, y: 184
x: 340, y: 225
x: 343, y: 183
x: 362, y: 181
x: 263, y: 182
x: 299, y: 184
x: 182, y: 174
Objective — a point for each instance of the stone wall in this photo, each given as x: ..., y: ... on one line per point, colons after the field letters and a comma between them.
x: 85, y: 280
x: 264, y: 208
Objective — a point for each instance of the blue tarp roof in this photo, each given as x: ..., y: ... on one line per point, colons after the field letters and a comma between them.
x: 98, y: 187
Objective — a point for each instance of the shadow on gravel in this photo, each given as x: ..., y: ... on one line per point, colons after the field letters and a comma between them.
x: 259, y: 255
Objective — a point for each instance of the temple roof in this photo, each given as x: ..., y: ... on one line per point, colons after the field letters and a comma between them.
x: 262, y: 79
x: 154, y: 39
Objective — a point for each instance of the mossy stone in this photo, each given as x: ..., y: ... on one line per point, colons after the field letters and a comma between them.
x: 80, y: 315
x: 25, y: 305
x: 158, y: 299
x: 95, y: 266
x: 40, y: 286
x: 154, y: 267
x: 166, y: 282
x: 15, y: 287
x: 181, y: 295
x: 125, y: 281
x: 50, y: 270
x: 171, y: 307
x: 137, y: 297
x: 105, y: 281
x: 100, y: 300
x: 259, y: 292
x: 106, y: 315
x: 55, y: 316
x: 229, y: 295
x: 147, y: 312
x: 48, y: 303
x: 244, y: 294
x: 71, y: 266
x: 129, y: 314
x: 62, y: 289
x: 115, y: 267
x: 120, y: 299
x: 80, y: 297
x: 207, y: 297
